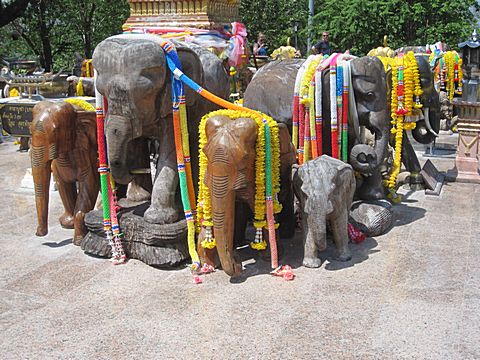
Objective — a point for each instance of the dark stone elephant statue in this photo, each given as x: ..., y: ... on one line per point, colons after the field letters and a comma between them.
x: 134, y: 78
x: 272, y: 89
x: 230, y: 176
x: 64, y: 139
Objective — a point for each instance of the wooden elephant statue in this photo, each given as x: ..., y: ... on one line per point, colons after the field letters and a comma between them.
x: 230, y: 177
x: 64, y: 140
x: 325, y: 187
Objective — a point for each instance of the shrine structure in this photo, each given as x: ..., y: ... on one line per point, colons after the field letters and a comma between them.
x: 201, y: 14
x: 468, y: 152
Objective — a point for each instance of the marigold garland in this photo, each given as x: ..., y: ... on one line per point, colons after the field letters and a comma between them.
x: 448, y: 72
x: 405, y: 86
x: 204, y: 210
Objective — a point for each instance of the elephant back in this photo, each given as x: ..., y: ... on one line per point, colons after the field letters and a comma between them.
x: 271, y: 89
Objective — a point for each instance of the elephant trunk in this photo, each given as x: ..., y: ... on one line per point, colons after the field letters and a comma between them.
x: 119, y: 134
x: 223, y: 205
x: 317, y: 231
x: 366, y: 159
x: 41, y: 170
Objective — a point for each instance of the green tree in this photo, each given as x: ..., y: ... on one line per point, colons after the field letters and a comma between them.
x: 360, y: 25
x: 10, y: 10
x: 275, y: 18
x: 54, y: 30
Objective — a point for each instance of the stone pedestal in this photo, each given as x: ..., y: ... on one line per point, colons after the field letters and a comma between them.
x: 467, y: 161
x: 203, y: 14
x: 163, y: 246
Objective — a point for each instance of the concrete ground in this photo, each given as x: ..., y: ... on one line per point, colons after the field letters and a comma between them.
x: 413, y: 293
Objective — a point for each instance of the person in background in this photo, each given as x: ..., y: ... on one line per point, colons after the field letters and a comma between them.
x: 260, y: 46
x: 323, y: 46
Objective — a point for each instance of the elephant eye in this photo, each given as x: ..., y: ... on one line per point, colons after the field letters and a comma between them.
x: 370, y: 96
x: 144, y: 84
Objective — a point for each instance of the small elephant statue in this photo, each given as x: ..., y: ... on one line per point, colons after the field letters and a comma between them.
x: 230, y: 176
x: 64, y: 139
x: 325, y: 187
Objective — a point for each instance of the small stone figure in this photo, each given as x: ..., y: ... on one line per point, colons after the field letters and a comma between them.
x: 325, y: 187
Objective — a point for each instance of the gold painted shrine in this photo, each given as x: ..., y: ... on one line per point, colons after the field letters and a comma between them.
x: 202, y: 14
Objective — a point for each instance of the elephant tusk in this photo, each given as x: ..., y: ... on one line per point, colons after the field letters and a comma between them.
x: 141, y: 171
x: 427, y: 121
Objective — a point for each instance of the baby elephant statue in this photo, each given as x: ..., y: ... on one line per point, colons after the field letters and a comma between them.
x: 230, y: 176
x: 325, y: 187
x: 64, y: 139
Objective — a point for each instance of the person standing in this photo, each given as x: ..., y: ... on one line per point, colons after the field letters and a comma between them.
x: 260, y: 47
x: 323, y: 46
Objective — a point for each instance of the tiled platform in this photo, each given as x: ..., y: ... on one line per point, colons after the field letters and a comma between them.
x: 411, y: 294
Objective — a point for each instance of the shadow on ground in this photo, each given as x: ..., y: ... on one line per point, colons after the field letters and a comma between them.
x: 291, y: 253
x: 59, y: 244
x: 407, y: 214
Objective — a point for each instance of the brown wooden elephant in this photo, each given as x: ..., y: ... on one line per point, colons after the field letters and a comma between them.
x: 230, y: 176
x: 64, y: 139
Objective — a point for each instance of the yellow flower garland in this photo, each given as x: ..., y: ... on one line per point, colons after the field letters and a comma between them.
x: 204, y: 210
x: 452, y: 76
x: 284, y: 52
x: 450, y: 79
x: 460, y: 76
x: 412, y: 87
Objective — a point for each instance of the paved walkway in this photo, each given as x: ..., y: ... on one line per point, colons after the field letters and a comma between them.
x: 413, y: 293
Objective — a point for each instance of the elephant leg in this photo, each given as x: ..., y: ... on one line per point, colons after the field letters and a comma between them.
x: 339, y: 225
x: 208, y: 256
x: 41, y: 171
x: 87, y: 194
x: 241, y: 211
x: 315, y: 239
x: 67, y: 190
x: 409, y: 157
x: 162, y: 209
x: 410, y: 160
x: 286, y: 218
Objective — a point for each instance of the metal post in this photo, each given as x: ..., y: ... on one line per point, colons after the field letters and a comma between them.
x: 310, y: 22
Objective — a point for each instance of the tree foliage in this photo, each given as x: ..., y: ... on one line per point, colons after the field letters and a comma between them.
x: 360, y: 25
x: 54, y: 30
x: 10, y: 10
x: 276, y: 19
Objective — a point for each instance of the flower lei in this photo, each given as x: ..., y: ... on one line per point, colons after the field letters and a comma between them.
x: 449, y: 73
x: 267, y: 176
x: 405, y: 86
x: 284, y: 52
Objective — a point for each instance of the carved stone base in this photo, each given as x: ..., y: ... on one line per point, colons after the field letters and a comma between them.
x: 155, y: 245
x: 463, y: 176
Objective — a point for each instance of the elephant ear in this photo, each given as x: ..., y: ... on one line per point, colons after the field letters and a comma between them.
x: 192, y: 67
x: 388, y: 78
